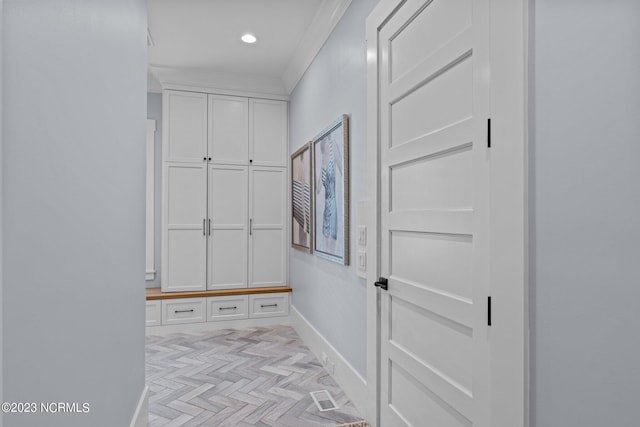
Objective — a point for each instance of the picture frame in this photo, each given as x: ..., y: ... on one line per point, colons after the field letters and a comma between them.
x: 302, y: 199
x: 331, y: 192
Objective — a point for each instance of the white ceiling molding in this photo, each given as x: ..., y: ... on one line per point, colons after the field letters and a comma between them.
x: 221, y: 83
x: 325, y: 20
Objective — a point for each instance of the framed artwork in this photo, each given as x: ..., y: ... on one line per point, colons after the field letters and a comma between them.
x: 301, y: 204
x: 331, y: 190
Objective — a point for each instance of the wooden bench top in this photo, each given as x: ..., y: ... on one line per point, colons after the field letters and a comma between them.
x: 156, y: 293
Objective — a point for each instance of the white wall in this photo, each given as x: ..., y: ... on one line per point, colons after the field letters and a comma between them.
x: 154, y: 112
x: 74, y: 88
x: 331, y: 296
x: 585, y: 213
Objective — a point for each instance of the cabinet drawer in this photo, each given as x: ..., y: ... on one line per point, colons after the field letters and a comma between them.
x: 269, y: 305
x: 153, y: 313
x: 183, y: 310
x: 227, y: 308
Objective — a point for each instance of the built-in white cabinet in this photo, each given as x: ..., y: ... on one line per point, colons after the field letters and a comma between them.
x: 224, y: 192
x: 153, y: 313
x: 184, y: 310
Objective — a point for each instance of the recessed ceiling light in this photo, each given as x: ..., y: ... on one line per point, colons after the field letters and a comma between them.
x: 249, y: 38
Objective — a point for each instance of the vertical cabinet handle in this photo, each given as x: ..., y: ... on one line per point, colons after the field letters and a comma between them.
x: 250, y: 226
x: 204, y: 226
x: 209, y: 226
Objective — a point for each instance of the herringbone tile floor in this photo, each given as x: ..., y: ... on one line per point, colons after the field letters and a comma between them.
x: 238, y: 378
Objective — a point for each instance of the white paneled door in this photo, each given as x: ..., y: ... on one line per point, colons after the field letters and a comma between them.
x: 434, y: 104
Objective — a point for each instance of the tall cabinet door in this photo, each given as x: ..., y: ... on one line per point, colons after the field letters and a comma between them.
x: 184, y: 237
x: 184, y: 126
x: 228, y: 123
x: 228, y: 212
x: 268, y: 133
x: 267, y: 190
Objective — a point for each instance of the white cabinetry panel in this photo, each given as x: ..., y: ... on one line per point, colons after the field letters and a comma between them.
x: 183, y: 310
x: 268, y: 305
x: 184, y: 126
x: 268, y: 132
x: 267, y: 190
x: 184, y: 240
x: 228, y: 227
x: 153, y: 313
x: 224, y: 192
x: 228, y: 123
x: 227, y: 308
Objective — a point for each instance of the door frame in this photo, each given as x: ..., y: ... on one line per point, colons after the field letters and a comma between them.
x: 508, y: 194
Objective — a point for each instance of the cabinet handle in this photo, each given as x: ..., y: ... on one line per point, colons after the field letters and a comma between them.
x: 204, y: 159
x: 183, y: 311
x: 204, y: 226
x: 250, y: 226
x: 227, y: 308
x: 209, y: 226
x: 268, y: 305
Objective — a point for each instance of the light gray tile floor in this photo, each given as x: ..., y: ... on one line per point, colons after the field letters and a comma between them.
x: 257, y: 377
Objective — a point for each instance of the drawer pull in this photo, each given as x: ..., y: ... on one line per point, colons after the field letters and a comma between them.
x: 268, y: 305
x: 227, y: 308
x: 183, y: 311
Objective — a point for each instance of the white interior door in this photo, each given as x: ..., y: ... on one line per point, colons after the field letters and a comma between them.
x: 228, y: 200
x: 267, y: 192
x: 433, y: 110
x: 185, y: 242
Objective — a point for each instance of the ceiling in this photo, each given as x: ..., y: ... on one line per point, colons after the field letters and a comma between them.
x: 198, y: 39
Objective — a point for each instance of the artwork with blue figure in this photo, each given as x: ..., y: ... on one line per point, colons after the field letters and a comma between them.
x: 329, y: 181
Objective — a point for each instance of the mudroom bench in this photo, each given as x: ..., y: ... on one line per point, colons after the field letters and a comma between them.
x: 215, y: 309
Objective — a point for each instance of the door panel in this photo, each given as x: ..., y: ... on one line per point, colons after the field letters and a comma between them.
x: 268, y: 132
x: 228, y: 209
x: 433, y: 91
x: 228, y: 123
x: 444, y: 100
x: 267, y: 192
x: 185, y: 259
x: 267, y: 258
x: 184, y: 240
x: 427, y: 31
x: 185, y: 125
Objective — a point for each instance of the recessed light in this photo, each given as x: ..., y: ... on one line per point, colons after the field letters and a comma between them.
x: 249, y: 38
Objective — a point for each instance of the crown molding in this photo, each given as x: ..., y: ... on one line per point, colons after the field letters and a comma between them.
x: 327, y: 17
x: 211, y: 82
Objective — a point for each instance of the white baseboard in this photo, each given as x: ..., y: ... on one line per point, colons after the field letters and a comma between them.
x: 349, y: 380
x: 214, y: 326
x: 141, y: 415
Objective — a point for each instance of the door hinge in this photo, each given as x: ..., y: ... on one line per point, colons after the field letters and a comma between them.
x: 488, y: 133
x: 489, y: 311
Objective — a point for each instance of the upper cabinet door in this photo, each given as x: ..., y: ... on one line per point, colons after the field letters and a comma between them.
x: 228, y: 124
x: 267, y: 133
x: 184, y: 126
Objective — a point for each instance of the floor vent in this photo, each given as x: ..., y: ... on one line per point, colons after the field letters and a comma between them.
x: 324, y: 401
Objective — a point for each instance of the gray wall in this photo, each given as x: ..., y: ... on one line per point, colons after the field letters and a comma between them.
x: 154, y: 111
x: 331, y: 296
x: 74, y: 108
x: 1, y: 213
x: 585, y: 213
